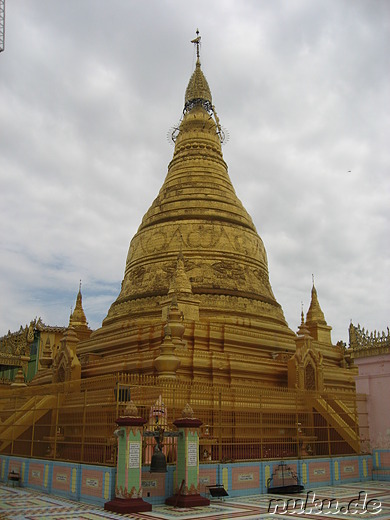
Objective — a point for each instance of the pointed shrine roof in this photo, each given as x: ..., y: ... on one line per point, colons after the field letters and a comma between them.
x: 78, y: 318
x: 315, y: 314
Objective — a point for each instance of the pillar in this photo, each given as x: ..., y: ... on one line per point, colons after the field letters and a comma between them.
x: 187, y: 464
x: 128, y: 488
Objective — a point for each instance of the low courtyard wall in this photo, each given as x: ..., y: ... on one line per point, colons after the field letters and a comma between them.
x: 96, y: 484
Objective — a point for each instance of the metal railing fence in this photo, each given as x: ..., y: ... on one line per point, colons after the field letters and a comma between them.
x: 75, y: 421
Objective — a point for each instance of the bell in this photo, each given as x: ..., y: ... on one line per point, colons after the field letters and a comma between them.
x: 158, y: 463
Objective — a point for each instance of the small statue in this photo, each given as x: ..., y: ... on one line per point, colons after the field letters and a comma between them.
x: 188, y: 412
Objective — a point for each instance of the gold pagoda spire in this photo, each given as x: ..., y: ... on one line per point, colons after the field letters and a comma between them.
x: 315, y: 320
x: 302, y: 329
x: 78, y: 318
x: 315, y: 314
x: 198, y: 90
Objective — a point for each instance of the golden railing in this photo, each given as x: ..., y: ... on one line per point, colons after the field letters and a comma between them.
x: 75, y: 421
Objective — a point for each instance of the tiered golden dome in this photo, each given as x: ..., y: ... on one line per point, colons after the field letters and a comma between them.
x: 198, y: 214
x: 197, y: 246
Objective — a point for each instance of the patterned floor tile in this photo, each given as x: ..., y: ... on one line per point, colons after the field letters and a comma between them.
x: 25, y: 504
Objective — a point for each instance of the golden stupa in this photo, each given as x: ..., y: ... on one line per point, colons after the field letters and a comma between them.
x: 198, y: 264
x: 197, y: 247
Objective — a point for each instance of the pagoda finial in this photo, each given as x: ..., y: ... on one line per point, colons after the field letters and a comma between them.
x: 80, y: 286
x: 196, y: 41
x: 198, y: 91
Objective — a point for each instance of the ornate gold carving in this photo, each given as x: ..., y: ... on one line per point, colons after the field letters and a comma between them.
x: 191, y: 234
x: 18, y: 343
x: 364, y: 343
x: 30, y: 333
x: 198, y: 88
x: 310, y: 377
x: 180, y: 282
x: 66, y: 365
x: 15, y: 347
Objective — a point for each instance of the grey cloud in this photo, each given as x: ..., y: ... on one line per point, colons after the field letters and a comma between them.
x: 88, y: 93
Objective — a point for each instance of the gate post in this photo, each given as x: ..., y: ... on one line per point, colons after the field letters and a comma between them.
x: 128, y: 488
x: 187, y: 464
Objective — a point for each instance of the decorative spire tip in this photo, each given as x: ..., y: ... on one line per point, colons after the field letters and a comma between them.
x: 196, y: 41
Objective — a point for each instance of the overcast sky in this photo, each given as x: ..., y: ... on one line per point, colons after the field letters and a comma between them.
x: 89, y: 90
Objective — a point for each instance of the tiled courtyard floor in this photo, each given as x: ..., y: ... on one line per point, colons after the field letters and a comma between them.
x: 25, y: 504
